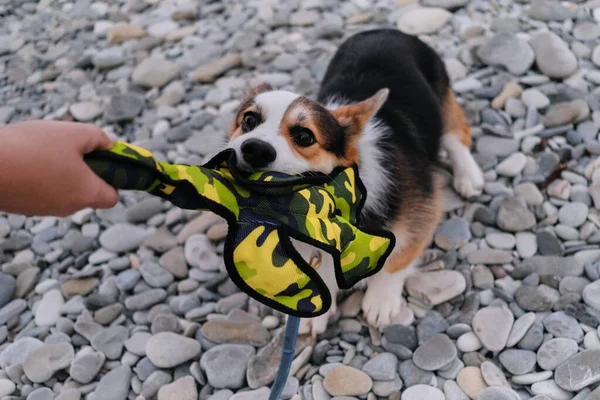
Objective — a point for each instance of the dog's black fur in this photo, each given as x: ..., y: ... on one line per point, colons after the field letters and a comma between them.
x: 418, y: 82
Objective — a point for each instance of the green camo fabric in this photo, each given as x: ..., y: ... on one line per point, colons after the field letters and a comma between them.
x: 264, y: 210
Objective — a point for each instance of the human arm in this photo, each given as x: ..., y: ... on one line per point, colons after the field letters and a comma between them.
x: 42, y: 171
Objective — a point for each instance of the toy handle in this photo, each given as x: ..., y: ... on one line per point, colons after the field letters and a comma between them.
x: 121, y: 172
x: 127, y: 167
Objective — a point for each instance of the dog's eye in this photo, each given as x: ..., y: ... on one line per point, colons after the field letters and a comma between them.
x: 304, y: 137
x: 250, y: 121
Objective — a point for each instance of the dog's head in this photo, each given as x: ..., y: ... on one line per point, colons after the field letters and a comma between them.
x: 282, y: 131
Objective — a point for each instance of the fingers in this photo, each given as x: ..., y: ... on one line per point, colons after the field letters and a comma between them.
x: 90, y: 138
x: 97, y: 193
x: 107, y: 196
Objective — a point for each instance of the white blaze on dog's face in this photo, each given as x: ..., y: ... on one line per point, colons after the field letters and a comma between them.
x: 282, y: 131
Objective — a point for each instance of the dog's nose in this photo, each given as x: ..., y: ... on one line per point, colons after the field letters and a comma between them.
x: 258, y: 153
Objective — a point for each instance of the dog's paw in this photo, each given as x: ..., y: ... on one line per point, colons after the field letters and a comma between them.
x: 317, y: 325
x: 381, y: 309
x: 469, y: 182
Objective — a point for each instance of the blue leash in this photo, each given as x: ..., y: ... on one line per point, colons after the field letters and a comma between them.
x: 287, y: 356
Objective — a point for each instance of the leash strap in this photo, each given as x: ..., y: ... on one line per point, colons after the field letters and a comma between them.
x: 287, y: 356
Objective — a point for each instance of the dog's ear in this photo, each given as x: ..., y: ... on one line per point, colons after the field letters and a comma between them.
x: 256, y: 90
x: 355, y: 116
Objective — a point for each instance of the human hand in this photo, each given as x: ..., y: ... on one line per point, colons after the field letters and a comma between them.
x: 42, y: 171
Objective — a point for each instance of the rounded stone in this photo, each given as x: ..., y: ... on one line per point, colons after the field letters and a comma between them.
x: 553, y: 56
x: 520, y: 328
x: 114, y: 385
x: 49, y: 308
x: 16, y: 352
x: 573, y: 214
x: 110, y: 341
x: 554, y: 352
x: 562, y: 325
x: 425, y: 20
x: 470, y: 380
x: 381, y: 367
x: 85, y: 111
x: 591, y: 295
x: 154, y: 72
x: 122, y: 238
x: 492, y: 325
x: 168, y: 349
x: 509, y: 51
x: 182, y: 389
x: 468, y: 342
x: 225, y: 365
x: 579, y: 371
x: 41, y: 364
x: 6, y: 388
x: 498, y: 240
x: 452, y: 233
x: 518, y: 362
x: 347, y: 381
x: 497, y: 393
x: 492, y: 374
x: 435, y: 353
x: 420, y: 392
x: 437, y: 287
x: 86, y: 365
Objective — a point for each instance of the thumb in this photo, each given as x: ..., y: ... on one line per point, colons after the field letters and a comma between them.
x: 107, y: 196
x: 102, y: 195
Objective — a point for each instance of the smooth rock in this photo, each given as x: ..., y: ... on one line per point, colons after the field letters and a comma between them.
x: 6, y: 388
x: 564, y: 326
x: 121, y: 238
x: 154, y: 72
x: 553, y: 56
x: 579, y: 371
x: 492, y: 374
x: 420, y: 392
x: 49, y: 308
x: 471, y: 381
x: 114, y: 385
x: 86, y: 365
x: 468, y: 342
x: 168, y: 349
x: 252, y: 333
x: 7, y: 288
x: 16, y: 352
x: 347, y: 381
x: 514, y: 217
x: 518, y: 362
x: 492, y: 325
x: 110, y: 341
x: 85, y: 111
x: 434, y: 288
x: 434, y: 353
x: 41, y: 364
x: 424, y: 20
x: 547, y: 10
x: 382, y: 367
x: 452, y: 233
x: 591, y: 295
x: 554, y: 352
x: 182, y: 389
x: 509, y: 51
x: 225, y: 365
x: 520, y: 328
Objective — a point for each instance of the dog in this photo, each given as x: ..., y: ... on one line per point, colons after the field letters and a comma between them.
x: 385, y: 103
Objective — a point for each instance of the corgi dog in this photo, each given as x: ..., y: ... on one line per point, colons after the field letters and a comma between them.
x: 386, y: 104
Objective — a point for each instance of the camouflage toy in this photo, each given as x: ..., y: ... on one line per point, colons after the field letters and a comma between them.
x: 264, y: 210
